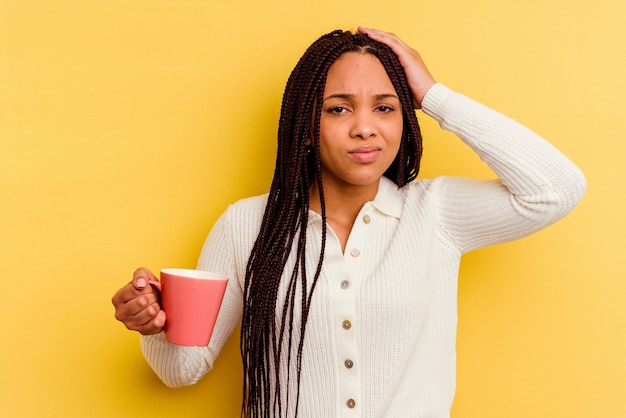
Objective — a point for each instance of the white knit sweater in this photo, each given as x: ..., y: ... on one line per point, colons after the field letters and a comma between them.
x: 380, y: 339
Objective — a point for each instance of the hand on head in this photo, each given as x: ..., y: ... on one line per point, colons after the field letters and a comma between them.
x: 417, y: 74
x: 137, y: 305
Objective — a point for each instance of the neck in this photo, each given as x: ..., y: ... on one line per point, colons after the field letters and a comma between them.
x: 343, y: 205
x: 342, y: 199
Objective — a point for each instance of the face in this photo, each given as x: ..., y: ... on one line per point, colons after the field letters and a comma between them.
x: 361, y: 123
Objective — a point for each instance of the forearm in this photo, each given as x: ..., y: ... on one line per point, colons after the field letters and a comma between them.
x: 181, y: 366
x: 541, y: 180
x: 176, y: 365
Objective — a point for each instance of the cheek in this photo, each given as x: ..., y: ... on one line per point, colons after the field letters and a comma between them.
x: 394, y: 133
x: 395, y: 147
x: 328, y: 125
x: 324, y: 148
x: 329, y: 137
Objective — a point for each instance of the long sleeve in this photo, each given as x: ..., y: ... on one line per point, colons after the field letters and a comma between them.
x: 537, y: 184
x: 396, y: 287
x: 225, y: 251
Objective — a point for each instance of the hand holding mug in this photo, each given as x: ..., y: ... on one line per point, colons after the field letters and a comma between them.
x: 191, y: 298
x: 137, y: 305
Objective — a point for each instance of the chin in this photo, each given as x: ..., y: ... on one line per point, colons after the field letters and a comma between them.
x: 368, y: 181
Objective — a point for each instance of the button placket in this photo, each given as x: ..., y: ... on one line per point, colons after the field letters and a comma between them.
x: 346, y: 288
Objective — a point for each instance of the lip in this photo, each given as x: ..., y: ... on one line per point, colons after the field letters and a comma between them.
x: 365, y: 155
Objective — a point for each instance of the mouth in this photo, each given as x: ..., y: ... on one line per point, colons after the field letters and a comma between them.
x: 365, y: 155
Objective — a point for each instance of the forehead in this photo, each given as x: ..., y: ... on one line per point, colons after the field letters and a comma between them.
x: 357, y: 71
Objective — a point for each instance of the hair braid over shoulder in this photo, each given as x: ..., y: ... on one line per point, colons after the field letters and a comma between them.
x: 277, y: 298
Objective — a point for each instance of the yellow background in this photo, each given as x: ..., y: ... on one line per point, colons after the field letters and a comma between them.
x: 127, y: 127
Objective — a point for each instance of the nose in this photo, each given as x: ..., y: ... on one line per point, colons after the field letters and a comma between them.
x: 363, y: 125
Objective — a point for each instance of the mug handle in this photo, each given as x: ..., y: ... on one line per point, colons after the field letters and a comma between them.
x: 156, y: 284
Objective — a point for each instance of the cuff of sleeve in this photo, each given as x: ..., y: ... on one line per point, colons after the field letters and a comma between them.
x: 434, y: 98
x: 176, y: 365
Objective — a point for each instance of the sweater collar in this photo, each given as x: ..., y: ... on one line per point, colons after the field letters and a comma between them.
x: 388, y: 200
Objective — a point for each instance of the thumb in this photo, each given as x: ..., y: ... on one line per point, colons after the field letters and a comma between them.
x: 141, y: 277
x: 140, y: 283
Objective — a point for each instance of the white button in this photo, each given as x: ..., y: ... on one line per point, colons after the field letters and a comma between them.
x: 345, y: 284
x: 367, y: 219
x: 355, y: 252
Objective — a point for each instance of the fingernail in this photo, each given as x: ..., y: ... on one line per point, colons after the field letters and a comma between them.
x: 140, y: 283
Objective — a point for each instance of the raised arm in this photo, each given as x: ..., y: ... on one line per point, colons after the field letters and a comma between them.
x: 537, y: 184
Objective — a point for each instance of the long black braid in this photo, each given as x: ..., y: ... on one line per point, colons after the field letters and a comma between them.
x: 265, y: 330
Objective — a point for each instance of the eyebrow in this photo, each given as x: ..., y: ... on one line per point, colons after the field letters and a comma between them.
x: 350, y: 96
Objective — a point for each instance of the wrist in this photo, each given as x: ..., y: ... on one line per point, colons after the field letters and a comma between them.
x: 421, y: 94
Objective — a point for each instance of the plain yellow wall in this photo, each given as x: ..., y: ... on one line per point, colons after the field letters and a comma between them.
x: 127, y: 127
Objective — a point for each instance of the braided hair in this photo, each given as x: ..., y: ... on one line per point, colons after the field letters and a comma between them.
x: 269, y: 349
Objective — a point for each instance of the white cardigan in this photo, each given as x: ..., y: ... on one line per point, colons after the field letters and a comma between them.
x: 380, y: 339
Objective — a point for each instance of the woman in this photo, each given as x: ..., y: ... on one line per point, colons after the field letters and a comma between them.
x: 344, y: 277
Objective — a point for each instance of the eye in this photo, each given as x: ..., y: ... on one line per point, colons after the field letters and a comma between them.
x: 337, y: 109
x: 385, y: 109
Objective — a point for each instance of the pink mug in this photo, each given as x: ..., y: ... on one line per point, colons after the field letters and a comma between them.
x: 191, y: 300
